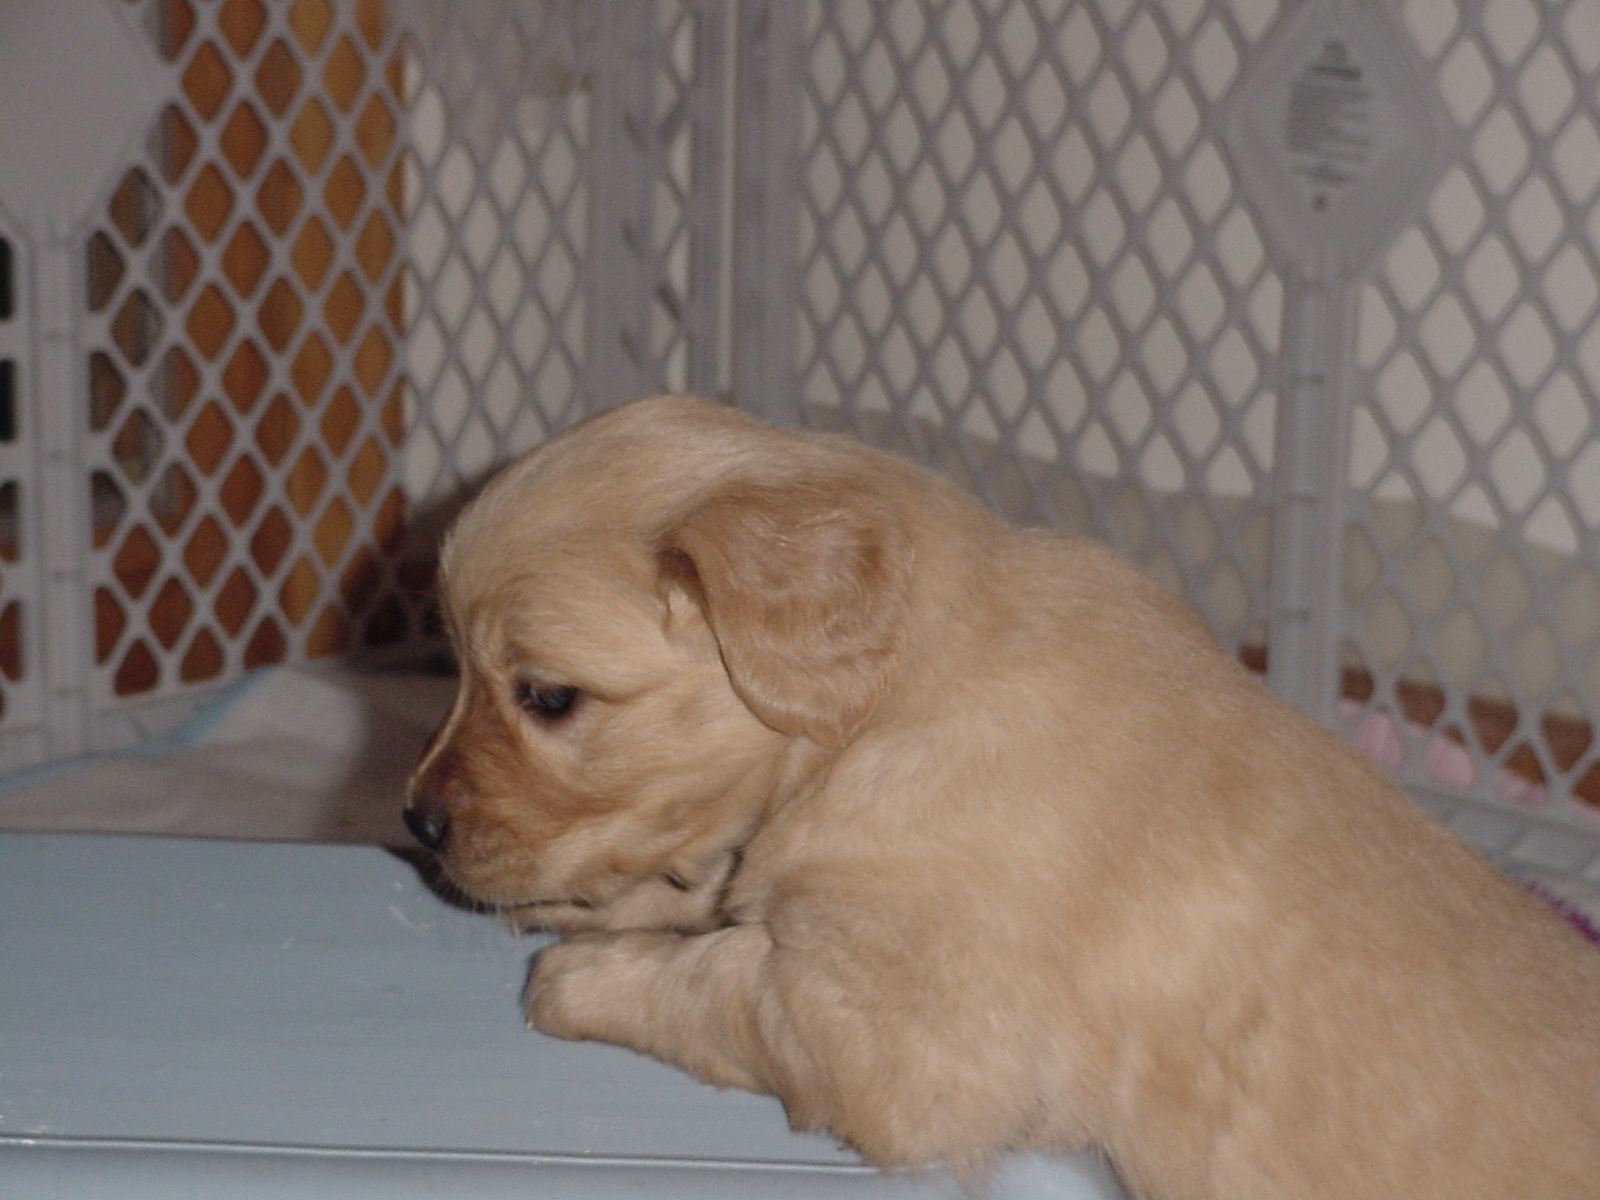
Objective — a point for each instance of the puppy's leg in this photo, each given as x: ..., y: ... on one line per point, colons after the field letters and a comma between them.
x: 737, y: 1011
x: 695, y: 1001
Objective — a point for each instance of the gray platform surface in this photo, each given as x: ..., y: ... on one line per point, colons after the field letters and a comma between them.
x: 182, y: 1017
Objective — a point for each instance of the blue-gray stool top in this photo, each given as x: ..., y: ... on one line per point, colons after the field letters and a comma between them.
x: 182, y: 1017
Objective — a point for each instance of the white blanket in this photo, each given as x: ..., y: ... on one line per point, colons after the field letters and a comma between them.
x: 293, y: 754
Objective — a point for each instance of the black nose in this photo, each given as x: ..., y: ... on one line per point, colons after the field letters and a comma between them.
x: 428, y: 824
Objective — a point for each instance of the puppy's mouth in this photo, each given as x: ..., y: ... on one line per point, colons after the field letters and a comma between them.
x: 589, y: 903
x: 469, y: 888
x: 601, y: 893
x: 552, y: 915
x: 549, y: 905
x: 508, y: 900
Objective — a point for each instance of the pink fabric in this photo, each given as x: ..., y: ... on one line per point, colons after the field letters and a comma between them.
x: 1379, y: 736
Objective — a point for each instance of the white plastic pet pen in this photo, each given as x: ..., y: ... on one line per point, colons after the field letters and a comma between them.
x: 1297, y: 304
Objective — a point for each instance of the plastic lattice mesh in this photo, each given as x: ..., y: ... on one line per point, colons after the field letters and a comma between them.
x: 559, y: 195
x: 367, y: 252
x: 1024, y: 259
x: 1472, y: 598
x: 497, y: 234
x: 243, y: 320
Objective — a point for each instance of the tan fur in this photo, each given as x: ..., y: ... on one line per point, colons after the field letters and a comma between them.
x: 961, y: 838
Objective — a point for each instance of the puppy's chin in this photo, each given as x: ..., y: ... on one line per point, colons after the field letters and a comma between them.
x: 606, y: 873
x: 660, y: 899
x: 652, y: 903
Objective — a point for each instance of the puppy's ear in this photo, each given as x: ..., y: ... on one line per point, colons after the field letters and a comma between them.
x: 805, y: 585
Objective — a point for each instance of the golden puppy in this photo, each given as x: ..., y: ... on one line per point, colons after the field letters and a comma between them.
x: 960, y: 838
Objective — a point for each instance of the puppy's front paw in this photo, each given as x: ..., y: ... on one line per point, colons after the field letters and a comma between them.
x: 552, y: 1000
x: 576, y: 982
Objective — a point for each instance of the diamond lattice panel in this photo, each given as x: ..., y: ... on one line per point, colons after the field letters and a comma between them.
x: 497, y: 237
x: 1025, y: 259
x: 243, y: 311
x: 1473, y: 600
x: 507, y: 260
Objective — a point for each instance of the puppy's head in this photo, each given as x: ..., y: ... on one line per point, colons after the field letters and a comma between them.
x: 659, y: 616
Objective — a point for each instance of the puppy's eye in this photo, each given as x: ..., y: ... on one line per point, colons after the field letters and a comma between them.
x: 547, y: 702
